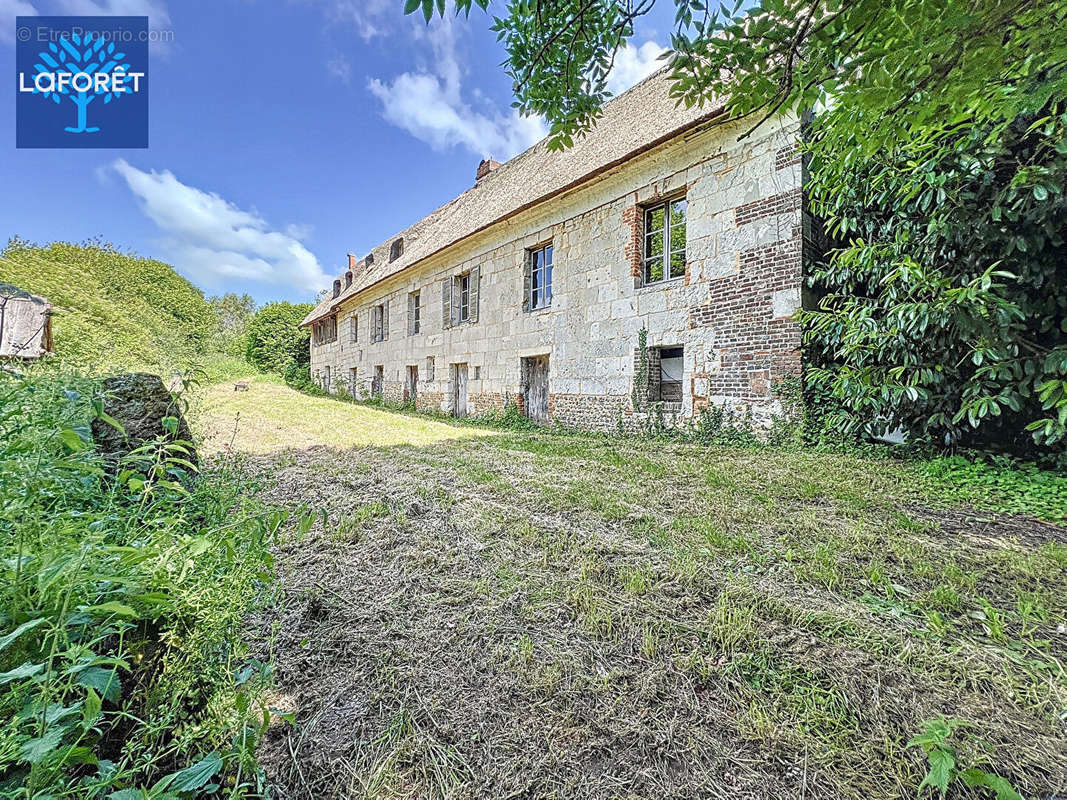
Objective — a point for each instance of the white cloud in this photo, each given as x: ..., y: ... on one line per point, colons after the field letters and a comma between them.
x: 369, y: 18
x: 211, y: 239
x: 155, y: 10
x: 633, y: 65
x: 429, y: 103
x: 339, y: 68
x: 9, y: 9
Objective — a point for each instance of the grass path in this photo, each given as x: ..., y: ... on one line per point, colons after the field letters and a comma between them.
x: 536, y: 616
x: 271, y: 417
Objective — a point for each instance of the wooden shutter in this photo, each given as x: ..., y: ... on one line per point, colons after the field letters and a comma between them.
x: 527, y: 280
x: 476, y: 279
x: 446, y: 302
x: 457, y: 298
x: 411, y: 313
x: 385, y: 320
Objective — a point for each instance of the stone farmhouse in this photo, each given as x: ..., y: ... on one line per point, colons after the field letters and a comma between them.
x: 655, y: 267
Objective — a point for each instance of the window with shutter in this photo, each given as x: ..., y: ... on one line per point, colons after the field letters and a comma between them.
x: 353, y: 332
x: 378, y: 322
x: 474, y: 280
x: 446, y: 302
x: 463, y: 289
x: 414, y: 313
x: 385, y: 320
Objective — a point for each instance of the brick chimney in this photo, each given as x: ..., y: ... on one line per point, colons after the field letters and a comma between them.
x: 486, y: 166
x: 356, y: 266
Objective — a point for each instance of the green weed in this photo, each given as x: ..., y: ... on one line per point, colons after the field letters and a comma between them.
x: 123, y: 593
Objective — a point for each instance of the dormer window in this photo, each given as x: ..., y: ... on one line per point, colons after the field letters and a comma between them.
x: 369, y: 260
x: 396, y: 249
x: 348, y: 279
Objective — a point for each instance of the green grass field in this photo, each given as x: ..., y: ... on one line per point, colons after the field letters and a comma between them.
x: 486, y: 614
x: 270, y: 417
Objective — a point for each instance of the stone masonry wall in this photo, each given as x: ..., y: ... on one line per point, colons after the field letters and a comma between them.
x: 731, y: 312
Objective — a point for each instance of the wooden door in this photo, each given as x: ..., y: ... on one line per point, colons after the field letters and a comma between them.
x: 411, y: 386
x: 537, y: 389
x: 459, y: 383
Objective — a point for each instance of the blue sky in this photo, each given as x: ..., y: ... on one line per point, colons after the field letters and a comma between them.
x: 283, y: 135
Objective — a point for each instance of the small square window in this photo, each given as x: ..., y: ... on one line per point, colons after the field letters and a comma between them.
x: 664, y: 374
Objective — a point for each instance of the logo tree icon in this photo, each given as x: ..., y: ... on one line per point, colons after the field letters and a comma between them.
x: 95, y: 59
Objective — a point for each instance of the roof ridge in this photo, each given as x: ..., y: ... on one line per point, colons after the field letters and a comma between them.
x: 506, y: 190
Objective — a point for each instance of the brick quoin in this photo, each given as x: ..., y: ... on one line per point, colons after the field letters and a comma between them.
x: 632, y: 219
x: 787, y: 157
x: 768, y: 207
x: 756, y: 349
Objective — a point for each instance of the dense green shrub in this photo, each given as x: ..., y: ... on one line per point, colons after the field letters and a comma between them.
x: 275, y: 342
x: 943, y: 308
x: 123, y: 593
x: 299, y: 376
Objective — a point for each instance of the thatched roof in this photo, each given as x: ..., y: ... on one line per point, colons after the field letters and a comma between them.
x: 633, y: 122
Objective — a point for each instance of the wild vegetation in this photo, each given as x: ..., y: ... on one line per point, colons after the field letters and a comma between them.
x: 275, y: 343
x: 123, y: 664
x: 234, y: 312
x: 505, y: 612
x: 114, y: 310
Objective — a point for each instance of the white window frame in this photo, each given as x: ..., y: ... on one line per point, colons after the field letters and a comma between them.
x: 463, y: 285
x: 544, y: 271
x: 664, y: 258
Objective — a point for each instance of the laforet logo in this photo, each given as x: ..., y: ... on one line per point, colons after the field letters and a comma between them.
x: 82, y: 82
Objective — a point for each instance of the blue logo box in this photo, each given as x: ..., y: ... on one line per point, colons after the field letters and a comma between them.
x: 81, y: 82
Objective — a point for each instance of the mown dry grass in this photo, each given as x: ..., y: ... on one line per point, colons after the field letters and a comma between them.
x: 578, y: 617
x: 270, y: 417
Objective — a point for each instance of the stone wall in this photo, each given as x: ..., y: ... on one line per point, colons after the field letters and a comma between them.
x: 731, y: 312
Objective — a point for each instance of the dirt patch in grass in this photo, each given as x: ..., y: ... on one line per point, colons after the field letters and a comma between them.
x: 526, y: 616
